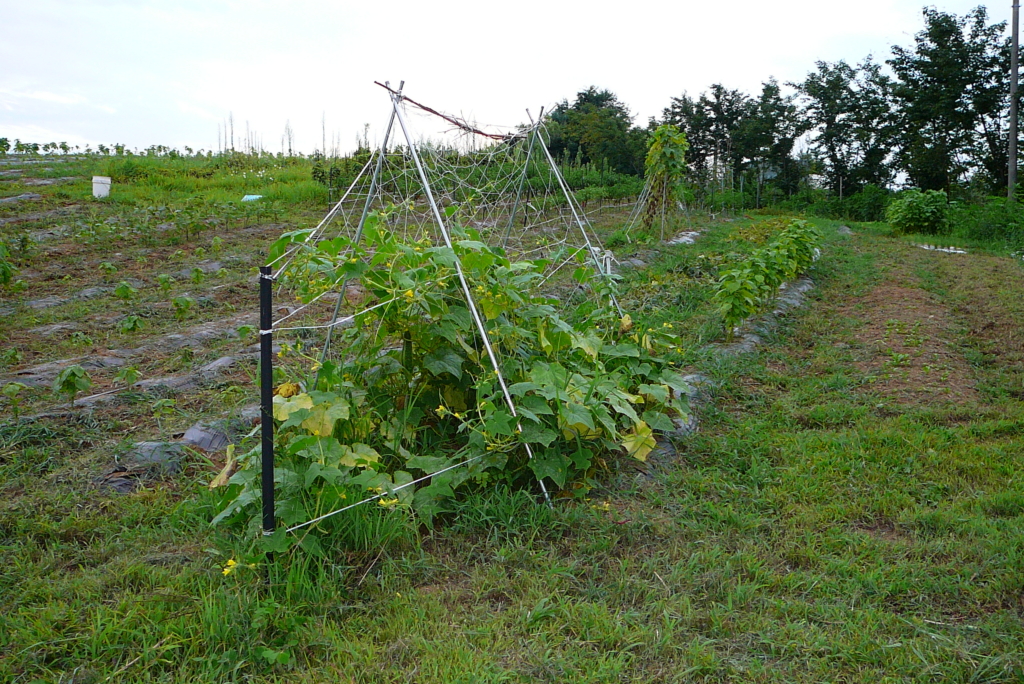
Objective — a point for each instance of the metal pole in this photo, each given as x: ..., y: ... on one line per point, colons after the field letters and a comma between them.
x: 267, y: 397
x: 1011, y: 179
x: 572, y: 207
x: 522, y: 179
x: 470, y: 302
x: 358, y: 236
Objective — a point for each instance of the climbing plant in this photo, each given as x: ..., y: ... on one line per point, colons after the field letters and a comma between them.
x: 664, y: 168
x: 415, y: 392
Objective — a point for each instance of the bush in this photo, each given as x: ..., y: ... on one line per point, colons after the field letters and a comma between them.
x: 127, y: 170
x: 867, y: 205
x: 993, y: 220
x: 914, y: 211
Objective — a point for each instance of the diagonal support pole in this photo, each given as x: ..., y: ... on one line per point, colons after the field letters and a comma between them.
x: 470, y: 302
x: 598, y: 264
x: 359, y: 235
x: 522, y: 179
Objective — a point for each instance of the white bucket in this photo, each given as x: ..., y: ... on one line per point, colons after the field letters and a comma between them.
x: 100, y: 186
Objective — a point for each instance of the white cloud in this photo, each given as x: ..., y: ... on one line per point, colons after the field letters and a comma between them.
x: 43, y: 96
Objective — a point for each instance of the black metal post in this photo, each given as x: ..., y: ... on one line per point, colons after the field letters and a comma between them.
x: 267, y: 396
x: 1011, y: 184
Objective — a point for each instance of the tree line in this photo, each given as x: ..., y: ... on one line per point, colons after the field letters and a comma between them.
x: 934, y: 115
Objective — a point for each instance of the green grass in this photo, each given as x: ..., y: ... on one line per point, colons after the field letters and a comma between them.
x: 817, y: 528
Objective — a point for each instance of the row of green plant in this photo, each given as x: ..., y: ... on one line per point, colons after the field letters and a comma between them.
x: 172, y: 222
x: 415, y: 391
x: 745, y: 288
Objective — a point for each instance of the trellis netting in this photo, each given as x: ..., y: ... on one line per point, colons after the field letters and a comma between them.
x: 451, y: 320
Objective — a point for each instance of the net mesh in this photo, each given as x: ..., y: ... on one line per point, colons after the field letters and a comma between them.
x: 499, y: 183
x: 434, y: 180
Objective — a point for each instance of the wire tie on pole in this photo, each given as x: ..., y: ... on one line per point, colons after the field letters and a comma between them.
x: 267, y: 332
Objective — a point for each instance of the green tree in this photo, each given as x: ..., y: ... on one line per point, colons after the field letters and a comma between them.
x: 713, y: 124
x: 766, y: 136
x: 951, y: 100
x: 849, y: 112
x: 596, y: 127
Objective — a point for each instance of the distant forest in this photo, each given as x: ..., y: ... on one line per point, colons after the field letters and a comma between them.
x: 842, y: 143
x: 934, y: 115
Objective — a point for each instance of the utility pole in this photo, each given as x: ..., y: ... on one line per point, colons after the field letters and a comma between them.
x: 1011, y: 178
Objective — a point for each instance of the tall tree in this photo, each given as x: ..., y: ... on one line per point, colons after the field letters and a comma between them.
x: 596, y: 127
x: 849, y: 113
x: 951, y: 99
x: 712, y: 125
x: 766, y: 136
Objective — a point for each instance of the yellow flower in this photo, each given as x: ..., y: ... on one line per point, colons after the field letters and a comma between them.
x: 440, y: 410
x: 230, y: 567
x: 387, y: 502
x: 408, y: 294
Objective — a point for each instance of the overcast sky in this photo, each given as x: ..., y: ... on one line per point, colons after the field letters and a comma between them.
x: 169, y: 72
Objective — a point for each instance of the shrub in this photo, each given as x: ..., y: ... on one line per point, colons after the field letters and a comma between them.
x: 127, y: 170
x: 993, y: 220
x: 867, y: 205
x: 914, y: 211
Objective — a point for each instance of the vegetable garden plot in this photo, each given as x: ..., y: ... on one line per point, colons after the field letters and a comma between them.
x: 475, y: 337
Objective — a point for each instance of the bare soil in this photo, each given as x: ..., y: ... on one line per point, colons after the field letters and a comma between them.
x: 905, y: 339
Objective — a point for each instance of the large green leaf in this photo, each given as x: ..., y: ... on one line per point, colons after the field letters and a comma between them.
x: 538, y: 434
x: 499, y: 423
x: 658, y: 421
x: 550, y: 463
x: 444, y: 360
x: 656, y: 393
x: 433, y: 499
x: 577, y: 414
x: 428, y: 464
